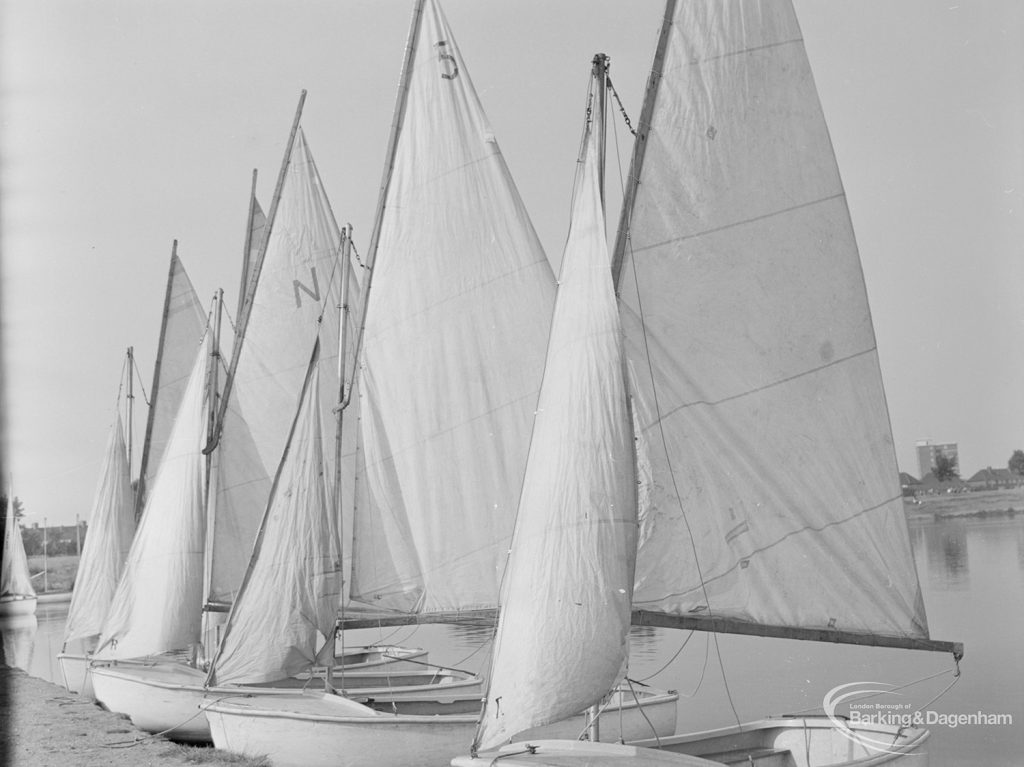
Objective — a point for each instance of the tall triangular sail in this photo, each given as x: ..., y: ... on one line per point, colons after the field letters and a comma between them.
x: 565, y: 607
x: 453, y: 345
x: 774, y: 500
x: 183, y: 323
x: 158, y: 603
x: 288, y: 601
x: 111, y: 527
x: 14, y: 575
x: 294, y: 297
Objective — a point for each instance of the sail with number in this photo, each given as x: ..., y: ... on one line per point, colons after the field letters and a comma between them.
x: 182, y: 325
x: 565, y: 602
x: 287, y: 605
x: 453, y: 343
x: 294, y: 296
x: 158, y: 603
x: 111, y: 527
x: 775, y: 503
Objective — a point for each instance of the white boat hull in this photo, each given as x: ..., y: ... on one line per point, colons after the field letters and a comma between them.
x: 171, y: 699
x: 814, y: 741
x: 316, y: 730
x: 564, y: 753
x: 14, y: 604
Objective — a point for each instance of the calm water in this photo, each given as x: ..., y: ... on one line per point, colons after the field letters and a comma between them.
x: 972, y: 574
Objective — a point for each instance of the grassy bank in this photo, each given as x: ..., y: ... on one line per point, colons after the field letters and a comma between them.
x: 60, y: 573
x: 982, y: 503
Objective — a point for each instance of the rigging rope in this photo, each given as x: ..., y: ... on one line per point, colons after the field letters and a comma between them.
x: 622, y: 109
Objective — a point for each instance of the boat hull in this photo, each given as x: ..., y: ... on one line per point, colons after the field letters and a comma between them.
x: 171, y: 699
x: 564, y: 753
x: 12, y: 605
x: 803, y: 742
x: 310, y: 731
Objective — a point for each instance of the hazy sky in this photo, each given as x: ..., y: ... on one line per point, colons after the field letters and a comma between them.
x: 128, y: 124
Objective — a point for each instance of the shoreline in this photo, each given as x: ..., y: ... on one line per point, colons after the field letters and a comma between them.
x: 44, y: 725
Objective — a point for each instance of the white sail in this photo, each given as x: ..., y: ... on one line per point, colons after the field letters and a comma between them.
x: 158, y: 603
x: 288, y: 602
x: 565, y: 607
x: 774, y: 496
x: 297, y: 283
x: 111, y: 527
x: 456, y: 323
x: 254, y: 232
x: 184, y: 321
x: 14, y: 575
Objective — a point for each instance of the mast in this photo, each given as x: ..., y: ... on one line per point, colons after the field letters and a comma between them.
x: 247, y: 249
x: 250, y: 290
x: 210, y: 465
x: 131, y: 403
x: 389, y: 161
x: 140, y: 491
x: 643, y: 128
x: 346, y: 250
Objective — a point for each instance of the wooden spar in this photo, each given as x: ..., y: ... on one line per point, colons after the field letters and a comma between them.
x: 211, y: 477
x: 600, y: 91
x: 131, y: 404
x: 247, y: 249
x: 640, y: 144
x: 154, y: 392
x: 733, y: 626
x: 243, y: 318
x: 690, y: 622
x: 211, y: 676
x: 346, y: 271
x: 389, y: 164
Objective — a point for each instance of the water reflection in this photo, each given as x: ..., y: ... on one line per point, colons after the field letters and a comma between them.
x: 943, y: 545
x: 18, y: 633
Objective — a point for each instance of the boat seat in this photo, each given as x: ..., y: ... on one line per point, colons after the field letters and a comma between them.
x: 758, y: 757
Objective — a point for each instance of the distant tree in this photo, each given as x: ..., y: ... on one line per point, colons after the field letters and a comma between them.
x: 1016, y: 462
x: 945, y: 468
x: 18, y: 506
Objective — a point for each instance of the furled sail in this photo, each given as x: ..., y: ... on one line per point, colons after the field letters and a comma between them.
x: 295, y: 296
x: 453, y: 345
x: 14, y: 576
x: 183, y: 324
x: 774, y: 492
x: 288, y: 601
x: 565, y: 607
x: 111, y: 527
x: 158, y: 603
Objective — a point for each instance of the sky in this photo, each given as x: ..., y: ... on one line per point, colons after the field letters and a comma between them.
x: 125, y: 125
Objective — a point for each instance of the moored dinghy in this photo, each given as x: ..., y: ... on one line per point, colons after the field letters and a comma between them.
x: 115, y: 509
x: 17, y: 597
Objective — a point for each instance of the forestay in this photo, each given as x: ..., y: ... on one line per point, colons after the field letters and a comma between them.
x: 111, y: 526
x: 158, y: 602
x: 295, y: 296
x: 181, y: 329
x: 565, y: 607
x: 288, y: 601
x: 774, y: 491
x: 453, y: 346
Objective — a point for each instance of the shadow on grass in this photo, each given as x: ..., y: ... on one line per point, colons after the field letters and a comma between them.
x: 210, y: 755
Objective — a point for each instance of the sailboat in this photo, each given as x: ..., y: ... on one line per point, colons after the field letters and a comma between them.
x: 752, y: 369
x: 17, y: 597
x: 450, y: 360
x: 115, y: 507
x: 293, y: 293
